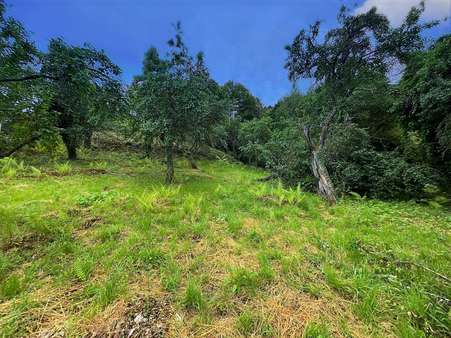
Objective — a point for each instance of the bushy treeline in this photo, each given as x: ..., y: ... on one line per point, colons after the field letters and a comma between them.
x: 353, y: 131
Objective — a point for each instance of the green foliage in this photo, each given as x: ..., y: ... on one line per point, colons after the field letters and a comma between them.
x: 424, y: 98
x: 63, y: 168
x: 246, y: 106
x: 24, y: 115
x: 67, y: 90
x: 83, y: 268
x: 83, y: 82
x: 243, y: 282
x: 90, y: 199
x: 355, y: 166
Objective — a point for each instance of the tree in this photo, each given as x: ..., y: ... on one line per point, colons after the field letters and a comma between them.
x: 82, y: 79
x: 247, y: 106
x: 24, y: 116
x: 424, y: 98
x: 362, y: 48
x: 175, y: 101
x: 212, y: 107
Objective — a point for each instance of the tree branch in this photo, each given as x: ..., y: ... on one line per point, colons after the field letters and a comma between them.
x: 29, y: 77
x: 21, y: 145
x: 308, y: 138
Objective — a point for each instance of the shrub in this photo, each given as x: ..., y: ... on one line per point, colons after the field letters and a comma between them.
x: 355, y: 166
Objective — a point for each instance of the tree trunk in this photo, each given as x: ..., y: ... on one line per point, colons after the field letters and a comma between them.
x: 148, y: 146
x: 87, y: 141
x: 70, y: 146
x: 169, y: 162
x: 192, y: 162
x: 325, y: 186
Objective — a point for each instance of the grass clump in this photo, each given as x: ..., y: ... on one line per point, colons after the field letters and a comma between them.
x: 11, y: 287
x: 242, y: 281
x: 90, y: 199
x: 193, y: 298
x: 249, y: 324
x: 170, y: 276
x: 316, y: 330
x: 151, y: 258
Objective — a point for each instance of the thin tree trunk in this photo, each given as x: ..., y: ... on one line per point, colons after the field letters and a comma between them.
x: 70, y: 146
x: 192, y: 162
x: 169, y: 162
x: 87, y: 142
x: 148, y: 146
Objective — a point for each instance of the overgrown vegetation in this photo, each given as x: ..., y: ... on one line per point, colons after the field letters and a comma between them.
x: 96, y: 240
x: 233, y: 257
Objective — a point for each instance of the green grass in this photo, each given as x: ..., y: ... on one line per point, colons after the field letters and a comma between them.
x: 234, y: 257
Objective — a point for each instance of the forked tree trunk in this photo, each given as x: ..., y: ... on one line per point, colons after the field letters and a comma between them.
x: 325, y: 186
x: 169, y: 162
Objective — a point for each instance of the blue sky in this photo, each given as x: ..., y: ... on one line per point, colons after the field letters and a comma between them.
x: 243, y: 40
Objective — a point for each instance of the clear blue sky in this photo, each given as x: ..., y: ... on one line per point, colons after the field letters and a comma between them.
x: 243, y: 40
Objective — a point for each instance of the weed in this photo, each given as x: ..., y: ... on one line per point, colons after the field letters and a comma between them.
x: 90, y: 199
x: 83, y: 267
x: 63, y: 169
x: 9, y: 167
x: 151, y: 257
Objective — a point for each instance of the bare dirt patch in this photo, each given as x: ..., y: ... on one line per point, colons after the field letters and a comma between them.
x: 142, y: 317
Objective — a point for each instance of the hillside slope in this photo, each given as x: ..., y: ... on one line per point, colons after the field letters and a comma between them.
x: 102, y: 248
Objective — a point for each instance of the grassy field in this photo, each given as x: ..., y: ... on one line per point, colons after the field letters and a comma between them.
x: 100, y: 247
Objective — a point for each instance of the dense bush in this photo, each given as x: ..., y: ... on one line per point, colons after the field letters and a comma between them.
x: 353, y: 162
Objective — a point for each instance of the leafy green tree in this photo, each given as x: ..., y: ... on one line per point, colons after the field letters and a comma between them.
x: 424, y: 98
x: 83, y: 79
x: 23, y: 96
x: 69, y: 89
x: 253, y: 136
x: 212, y: 108
x: 174, y: 100
x: 246, y: 106
x: 361, y: 49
